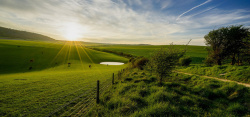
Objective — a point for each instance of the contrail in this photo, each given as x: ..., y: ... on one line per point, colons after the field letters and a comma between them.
x: 193, y: 8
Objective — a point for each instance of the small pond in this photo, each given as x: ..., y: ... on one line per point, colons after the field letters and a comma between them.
x: 112, y: 63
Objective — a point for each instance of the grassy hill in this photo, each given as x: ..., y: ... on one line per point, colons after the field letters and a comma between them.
x: 138, y: 94
x: 35, y: 79
x: 23, y: 90
x: 197, y: 53
x: 7, y: 33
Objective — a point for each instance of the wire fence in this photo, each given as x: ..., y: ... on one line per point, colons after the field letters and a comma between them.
x: 79, y: 105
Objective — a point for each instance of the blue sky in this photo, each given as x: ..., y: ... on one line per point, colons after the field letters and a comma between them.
x: 125, y: 21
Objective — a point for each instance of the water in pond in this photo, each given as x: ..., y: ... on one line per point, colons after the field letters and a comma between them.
x: 112, y: 63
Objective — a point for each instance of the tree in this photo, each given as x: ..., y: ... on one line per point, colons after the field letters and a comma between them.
x: 245, y: 51
x: 215, y: 39
x: 226, y: 42
x: 164, y: 61
x: 235, y: 42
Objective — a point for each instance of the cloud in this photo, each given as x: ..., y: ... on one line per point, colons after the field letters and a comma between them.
x: 116, y: 21
x: 193, y: 8
x: 166, y: 4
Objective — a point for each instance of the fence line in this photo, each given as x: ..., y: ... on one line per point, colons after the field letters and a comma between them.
x: 76, y: 106
x: 81, y: 106
x: 81, y: 103
x: 36, y: 109
x: 68, y: 103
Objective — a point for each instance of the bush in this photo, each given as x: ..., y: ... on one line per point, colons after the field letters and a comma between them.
x: 165, y: 60
x: 138, y: 62
x: 209, y: 61
x: 185, y: 61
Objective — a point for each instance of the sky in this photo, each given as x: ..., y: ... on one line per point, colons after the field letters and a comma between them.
x: 158, y: 22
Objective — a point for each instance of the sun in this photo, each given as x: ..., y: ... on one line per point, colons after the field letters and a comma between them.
x: 73, y: 32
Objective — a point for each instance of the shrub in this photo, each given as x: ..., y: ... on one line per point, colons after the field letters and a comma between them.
x: 208, y: 61
x: 141, y: 62
x: 185, y: 61
x: 164, y: 61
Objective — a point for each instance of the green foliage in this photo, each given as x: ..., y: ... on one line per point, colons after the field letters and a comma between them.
x: 165, y: 60
x: 209, y: 61
x: 227, y: 42
x: 185, y: 61
x: 138, y: 62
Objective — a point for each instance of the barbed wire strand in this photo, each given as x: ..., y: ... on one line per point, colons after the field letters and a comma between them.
x: 66, y: 104
x: 36, y: 109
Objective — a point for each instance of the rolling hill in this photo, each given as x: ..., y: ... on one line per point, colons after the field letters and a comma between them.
x: 7, y: 33
x: 35, y: 78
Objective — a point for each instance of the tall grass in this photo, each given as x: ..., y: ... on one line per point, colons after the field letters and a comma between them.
x: 179, y: 95
x: 235, y: 73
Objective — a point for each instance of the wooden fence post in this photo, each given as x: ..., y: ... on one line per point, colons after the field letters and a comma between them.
x: 97, y: 92
x: 113, y: 78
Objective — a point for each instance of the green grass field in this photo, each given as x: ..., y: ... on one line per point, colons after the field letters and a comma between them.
x: 197, y: 53
x: 35, y: 79
x: 22, y: 90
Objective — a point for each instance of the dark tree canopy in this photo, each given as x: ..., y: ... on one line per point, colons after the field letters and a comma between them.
x: 226, y: 42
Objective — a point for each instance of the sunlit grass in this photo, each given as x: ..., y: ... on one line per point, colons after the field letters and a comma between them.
x: 23, y: 90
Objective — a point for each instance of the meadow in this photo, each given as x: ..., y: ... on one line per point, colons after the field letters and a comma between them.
x: 23, y: 89
x: 138, y: 92
x: 197, y: 53
x: 36, y: 79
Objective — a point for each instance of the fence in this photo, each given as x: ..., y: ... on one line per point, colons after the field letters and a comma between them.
x: 81, y: 104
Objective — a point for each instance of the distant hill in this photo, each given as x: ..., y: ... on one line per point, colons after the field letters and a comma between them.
x: 7, y: 33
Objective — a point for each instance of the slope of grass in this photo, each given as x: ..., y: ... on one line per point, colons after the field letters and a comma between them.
x: 19, y: 56
x: 138, y: 94
x: 235, y: 73
x: 22, y: 35
x: 22, y: 91
x: 197, y: 53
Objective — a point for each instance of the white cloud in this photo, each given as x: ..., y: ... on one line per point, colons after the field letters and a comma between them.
x: 193, y: 8
x: 166, y: 4
x: 114, y: 21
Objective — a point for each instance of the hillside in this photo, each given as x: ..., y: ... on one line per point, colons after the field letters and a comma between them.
x: 7, y: 33
x: 137, y: 93
x: 197, y: 53
x: 35, y: 77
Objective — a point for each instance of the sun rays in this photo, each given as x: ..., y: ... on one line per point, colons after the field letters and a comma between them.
x: 72, y: 51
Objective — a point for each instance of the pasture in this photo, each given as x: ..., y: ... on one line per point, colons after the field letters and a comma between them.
x: 37, y: 78
x: 23, y: 89
x: 197, y: 53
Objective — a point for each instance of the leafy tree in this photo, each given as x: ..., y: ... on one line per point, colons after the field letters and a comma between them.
x: 226, y: 42
x: 235, y: 42
x: 215, y: 39
x: 245, y: 51
x: 164, y: 61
